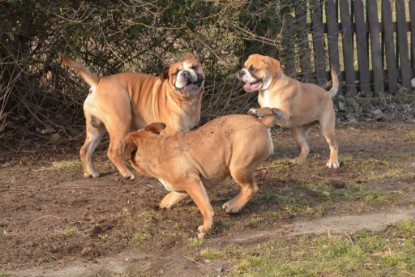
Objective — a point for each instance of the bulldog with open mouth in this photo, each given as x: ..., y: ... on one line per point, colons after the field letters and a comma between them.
x: 122, y: 101
x: 301, y: 104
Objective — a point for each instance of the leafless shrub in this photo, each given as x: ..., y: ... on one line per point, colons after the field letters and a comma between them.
x: 39, y: 97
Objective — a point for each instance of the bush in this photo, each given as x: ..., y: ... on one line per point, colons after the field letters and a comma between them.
x: 39, y: 95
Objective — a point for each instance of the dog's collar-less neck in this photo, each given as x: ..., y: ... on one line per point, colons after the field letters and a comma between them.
x: 280, y: 75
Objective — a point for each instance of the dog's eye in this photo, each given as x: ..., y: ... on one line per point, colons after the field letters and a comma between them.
x: 194, y: 67
x: 252, y: 68
x: 176, y: 72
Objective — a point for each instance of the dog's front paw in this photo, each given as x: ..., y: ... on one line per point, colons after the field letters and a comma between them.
x: 202, y: 231
x: 91, y: 175
x: 298, y: 160
x: 252, y: 112
x: 201, y: 235
x: 129, y: 176
x: 334, y: 165
x: 230, y: 208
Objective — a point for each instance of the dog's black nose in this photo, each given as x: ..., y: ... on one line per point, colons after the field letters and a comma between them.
x: 241, y: 73
x: 187, y: 74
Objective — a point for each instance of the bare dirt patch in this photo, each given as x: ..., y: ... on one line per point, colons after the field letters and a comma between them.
x: 54, y: 222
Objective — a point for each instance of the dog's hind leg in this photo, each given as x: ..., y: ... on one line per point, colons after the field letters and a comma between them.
x: 115, y: 154
x: 300, y: 134
x: 171, y: 199
x: 328, y: 130
x: 94, y: 136
x: 243, y: 176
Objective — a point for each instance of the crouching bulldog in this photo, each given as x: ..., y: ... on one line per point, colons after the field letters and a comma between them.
x: 302, y: 105
x: 232, y: 145
x: 122, y: 101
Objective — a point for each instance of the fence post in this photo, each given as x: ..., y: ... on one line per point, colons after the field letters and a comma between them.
x: 301, y: 18
x: 372, y: 7
x: 412, y: 17
x: 362, y: 47
x: 403, y: 43
x: 389, y: 45
x: 318, y: 40
x: 347, y: 47
x: 333, y: 36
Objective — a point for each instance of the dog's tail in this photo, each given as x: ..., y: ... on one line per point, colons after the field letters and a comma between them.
x: 268, y: 116
x: 89, y: 77
x: 335, y: 82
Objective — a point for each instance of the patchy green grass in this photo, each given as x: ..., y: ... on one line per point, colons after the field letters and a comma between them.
x: 155, y: 226
x: 398, y: 156
x: 211, y: 254
x: 365, y: 253
x: 70, y: 166
x: 148, y: 228
x: 372, y: 168
x: 75, y: 166
x: 309, y: 197
x: 69, y: 232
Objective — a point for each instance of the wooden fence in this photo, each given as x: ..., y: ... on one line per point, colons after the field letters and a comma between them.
x: 372, y: 43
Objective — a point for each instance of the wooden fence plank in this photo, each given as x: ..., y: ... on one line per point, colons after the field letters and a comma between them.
x: 333, y: 36
x: 403, y: 43
x: 412, y: 18
x: 372, y: 7
x: 301, y: 18
x: 347, y: 47
x: 318, y: 43
x: 362, y: 48
x: 389, y: 46
x: 288, y: 44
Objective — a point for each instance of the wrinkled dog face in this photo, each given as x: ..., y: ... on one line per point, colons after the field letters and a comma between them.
x: 186, y: 76
x: 258, y: 72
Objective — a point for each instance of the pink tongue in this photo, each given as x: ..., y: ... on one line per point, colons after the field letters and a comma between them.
x: 251, y: 86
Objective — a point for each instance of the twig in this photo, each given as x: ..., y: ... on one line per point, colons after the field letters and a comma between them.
x: 199, y: 263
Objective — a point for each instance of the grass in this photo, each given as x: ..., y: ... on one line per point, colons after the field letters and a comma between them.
x: 211, y: 254
x: 70, y: 166
x: 69, y: 232
x: 307, y: 197
x: 74, y: 166
x: 147, y: 221
x: 365, y: 253
x: 156, y: 227
x: 374, y: 169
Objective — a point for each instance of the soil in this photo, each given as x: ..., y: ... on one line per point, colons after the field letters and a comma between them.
x: 55, y: 222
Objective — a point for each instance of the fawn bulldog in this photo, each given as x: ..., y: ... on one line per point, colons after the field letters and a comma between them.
x: 122, y: 101
x: 232, y: 145
x: 302, y: 105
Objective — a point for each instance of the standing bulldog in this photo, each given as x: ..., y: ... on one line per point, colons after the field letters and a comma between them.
x: 301, y: 104
x: 231, y: 145
x: 122, y: 101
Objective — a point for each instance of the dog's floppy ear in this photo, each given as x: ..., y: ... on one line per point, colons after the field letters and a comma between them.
x: 130, y: 146
x: 156, y: 127
x: 278, y: 113
x: 188, y: 57
x: 274, y: 66
x: 165, y: 72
